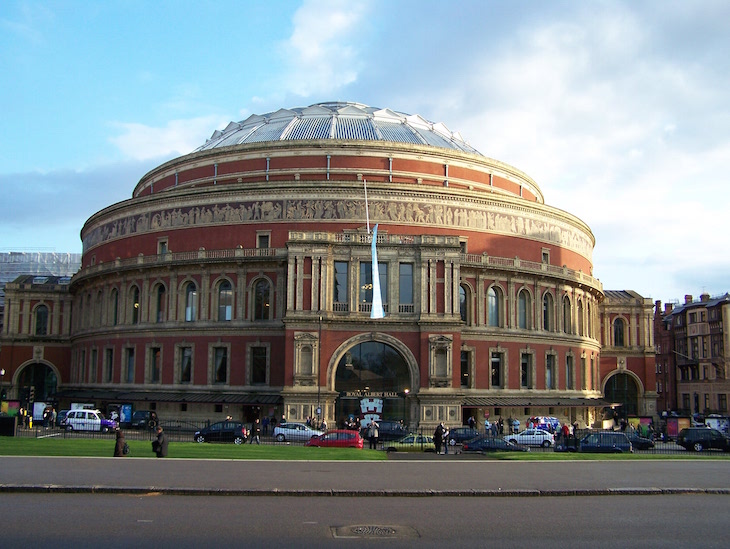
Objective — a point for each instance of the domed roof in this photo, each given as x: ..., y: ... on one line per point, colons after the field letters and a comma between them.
x: 337, y: 120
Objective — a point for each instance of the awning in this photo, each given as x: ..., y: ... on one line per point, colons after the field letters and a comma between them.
x: 252, y: 399
x: 543, y: 402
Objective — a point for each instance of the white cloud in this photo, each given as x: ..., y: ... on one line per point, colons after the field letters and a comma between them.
x: 177, y: 137
x: 322, y: 53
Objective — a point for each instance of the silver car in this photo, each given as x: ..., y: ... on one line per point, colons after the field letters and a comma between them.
x: 532, y: 437
x: 299, y: 432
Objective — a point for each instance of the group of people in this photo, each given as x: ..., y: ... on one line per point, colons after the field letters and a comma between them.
x: 441, y: 438
x: 159, y: 444
x: 315, y: 424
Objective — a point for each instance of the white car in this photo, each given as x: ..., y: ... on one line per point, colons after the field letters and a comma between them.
x: 295, y: 431
x: 89, y: 420
x: 532, y: 437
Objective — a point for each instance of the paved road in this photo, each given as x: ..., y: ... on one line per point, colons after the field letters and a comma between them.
x: 445, y: 475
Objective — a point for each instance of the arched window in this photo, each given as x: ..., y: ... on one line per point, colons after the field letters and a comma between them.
x: 225, y: 301
x: 464, y: 303
x: 191, y: 302
x: 41, y: 320
x: 160, y: 304
x: 135, y: 305
x: 261, y: 300
x: 547, y: 312
x: 523, y: 309
x: 567, y: 324
x: 114, y: 302
x: 494, y: 306
x: 618, y: 332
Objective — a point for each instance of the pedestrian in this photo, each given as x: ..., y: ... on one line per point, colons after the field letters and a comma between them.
x: 119, y: 446
x: 255, y: 432
x: 373, y: 434
x: 265, y: 425
x: 54, y: 415
x: 323, y: 427
x: 445, y: 439
x: 159, y: 445
x: 495, y: 428
x: 438, y: 437
x: 471, y: 422
x: 501, y: 426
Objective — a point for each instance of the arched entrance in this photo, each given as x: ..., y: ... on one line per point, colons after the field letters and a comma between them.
x: 623, y: 389
x: 39, y: 376
x: 373, y: 379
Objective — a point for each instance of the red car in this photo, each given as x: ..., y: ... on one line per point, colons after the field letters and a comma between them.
x: 337, y: 438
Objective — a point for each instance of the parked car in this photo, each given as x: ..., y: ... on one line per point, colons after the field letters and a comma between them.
x: 703, y: 438
x: 223, y: 431
x: 301, y: 432
x: 533, y: 437
x: 61, y: 418
x: 639, y: 442
x: 89, y: 420
x: 486, y: 444
x: 337, y: 438
x: 387, y: 431
x: 458, y: 435
x: 411, y: 443
x: 144, y: 419
x: 606, y: 442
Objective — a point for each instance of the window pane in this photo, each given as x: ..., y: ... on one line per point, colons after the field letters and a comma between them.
x: 261, y: 300
x: 405, y: 283
x: 191, y: 302
x: 225, y: 301
x: 258, y: 365
x: 221, y: 365
x: 186, y: 363
x: 341, y: 271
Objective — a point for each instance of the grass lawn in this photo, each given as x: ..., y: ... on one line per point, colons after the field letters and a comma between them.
x: 82, y: 447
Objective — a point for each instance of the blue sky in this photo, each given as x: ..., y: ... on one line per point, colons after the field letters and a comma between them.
x: 619, y: 110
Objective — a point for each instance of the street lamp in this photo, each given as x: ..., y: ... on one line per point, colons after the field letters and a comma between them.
x: 319, y: 373
x: 2, y: 379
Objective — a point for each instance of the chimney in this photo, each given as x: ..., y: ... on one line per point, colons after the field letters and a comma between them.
x: 668, y: 308
x: 705, y: 297
x: 687, y: 299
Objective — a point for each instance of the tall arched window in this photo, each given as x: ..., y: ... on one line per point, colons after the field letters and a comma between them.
x: 523, y: 309
x: 135, y: 305
x: 41, y: 320
x: 160, y: 304
x: 618, y: 332
x: 114, y: 302
x: 225, y: 301
x: 261, y: 300
x: 547, y: 312
x: 580, y: 318
x: 494, y: 306
x: 191, y: 302
x: 567, y: 323
x: 463, y: 304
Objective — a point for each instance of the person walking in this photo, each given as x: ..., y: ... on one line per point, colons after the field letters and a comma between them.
x: 438, y: 437
x: 255, y: 432
x: 159, y: 445
x: 445, y: 439
x: 119, y: 446
x: 373, y: 434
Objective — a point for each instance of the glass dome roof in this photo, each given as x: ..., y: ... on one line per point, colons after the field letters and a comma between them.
x: 337, y: 120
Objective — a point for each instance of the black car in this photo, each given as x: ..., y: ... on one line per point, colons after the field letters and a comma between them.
x: 702, y: 438
x: 486, y: 444
x: 461, y: 434
x: 387, y: 431
x: 606, y: 442
x: 639, y: 442
x: 223, y: 431
x: 144, y: 419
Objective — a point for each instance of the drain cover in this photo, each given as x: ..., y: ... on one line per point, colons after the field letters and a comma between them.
x: 373, y: 531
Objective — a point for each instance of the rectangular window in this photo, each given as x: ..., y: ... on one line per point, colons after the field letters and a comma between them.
x: 569, y: 373
x: 583, y: 373
x: 525, y: 371
x: 155, y: 365
x: 259, y: 365
x: 129, y: 373
x: 82, y: 366
x: 93, y: 366
x: 685, y: 401
x: 108, y: 365
x: 186, y: 364
x: 162, y: 246
x: 341, y: 285
x: 221, y: 365
x: 262, y: 240
x: 550, y: 381
x: 496, y: 366
x: 465, y: 369
x: 366, y: 284
x: 405, y: 284
x: 707, y: 402
x: 722, y: 402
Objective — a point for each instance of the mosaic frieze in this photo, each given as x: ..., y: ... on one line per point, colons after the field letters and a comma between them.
x: 531, y: 225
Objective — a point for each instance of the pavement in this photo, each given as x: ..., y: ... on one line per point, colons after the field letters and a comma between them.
x: 403, y: 475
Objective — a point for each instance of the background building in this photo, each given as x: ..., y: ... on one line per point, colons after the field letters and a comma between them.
x: 237, y: 280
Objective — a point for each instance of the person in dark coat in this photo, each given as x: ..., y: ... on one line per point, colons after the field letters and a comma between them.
x: 119, y: 446
x: 159, y: 445
x: 438, y: 437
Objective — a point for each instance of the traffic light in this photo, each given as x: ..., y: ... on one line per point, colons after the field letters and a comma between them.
x: 31, y: 395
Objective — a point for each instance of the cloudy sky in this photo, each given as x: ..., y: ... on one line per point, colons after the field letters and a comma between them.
x: 619, y: 110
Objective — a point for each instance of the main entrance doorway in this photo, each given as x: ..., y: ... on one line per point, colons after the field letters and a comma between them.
x: 373, y: 382
x: 622, y: 389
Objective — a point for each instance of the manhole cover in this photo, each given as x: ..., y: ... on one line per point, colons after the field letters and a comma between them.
x: 373, y: 531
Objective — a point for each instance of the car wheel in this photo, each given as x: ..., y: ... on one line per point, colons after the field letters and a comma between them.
x: 697, y: 447
x: 280, y: 438
x: 69, y: 428
x: 152, y: 424
x: 546, y: 444
x: 238, y: 440
x: 200, y: 438
x: 105, y: 429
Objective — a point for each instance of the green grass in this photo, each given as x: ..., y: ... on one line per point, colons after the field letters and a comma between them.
x: 79, y: 447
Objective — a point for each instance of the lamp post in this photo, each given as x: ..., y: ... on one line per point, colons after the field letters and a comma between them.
x: 405, y: 405
x: 2, y: 380
x: 319, y: 373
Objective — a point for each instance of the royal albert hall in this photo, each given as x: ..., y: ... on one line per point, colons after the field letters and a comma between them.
x: 238, y: 281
